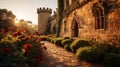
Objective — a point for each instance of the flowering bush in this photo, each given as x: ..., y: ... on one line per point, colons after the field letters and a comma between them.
x: 19, y: 48
x: 10, y: 55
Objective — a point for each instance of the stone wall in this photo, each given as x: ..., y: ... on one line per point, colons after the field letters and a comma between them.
x: 86, y: 24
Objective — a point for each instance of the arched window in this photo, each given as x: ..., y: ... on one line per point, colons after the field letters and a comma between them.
x: 99, y: 17
x: 74, y: 28
x: 65, y: 24
x: 67, y: 3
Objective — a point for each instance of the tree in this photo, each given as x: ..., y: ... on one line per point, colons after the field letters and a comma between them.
x: 22, y: 24
x: 7, y: 19
x: 60, y: 16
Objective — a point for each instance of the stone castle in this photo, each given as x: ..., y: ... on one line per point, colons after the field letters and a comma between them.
x: 90, y: 19
x: 46, y: 22
x: 87, y: 19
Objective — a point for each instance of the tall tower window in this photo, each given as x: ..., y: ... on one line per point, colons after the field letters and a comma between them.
x: 99, y: 18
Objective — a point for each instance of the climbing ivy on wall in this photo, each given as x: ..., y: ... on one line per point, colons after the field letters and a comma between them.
x: 60, y: 16
x: 75, y: 5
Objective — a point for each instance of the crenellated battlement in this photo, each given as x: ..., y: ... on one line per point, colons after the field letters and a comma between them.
x: 40, y: 10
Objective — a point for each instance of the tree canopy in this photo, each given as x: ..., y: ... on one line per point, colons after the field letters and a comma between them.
x: 7, y: 19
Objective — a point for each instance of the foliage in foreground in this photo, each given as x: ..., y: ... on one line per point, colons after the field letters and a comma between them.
x: 19, y: 48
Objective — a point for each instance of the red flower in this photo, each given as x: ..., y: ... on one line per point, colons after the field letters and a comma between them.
x: 19, y: 33
x: 25, y: 30
x: 36, y: 33
x: 27, y: 48
x: 18, y: 30
x: 45, y: 47
x: 8, y: 50
x: 31, y: 36
x: 25, y: 38
x: 36, y: 37
x: 15, y: 34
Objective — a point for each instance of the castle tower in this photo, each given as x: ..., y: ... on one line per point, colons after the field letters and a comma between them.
x: 43, y: 15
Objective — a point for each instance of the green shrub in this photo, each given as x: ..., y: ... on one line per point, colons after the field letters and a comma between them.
x: 90, y: 54
x: 67, y: 47
x: 66, y: 41
x: 49, y: 39
x: 108, y: 48
x: 66, y: 38
x: 77, y: 44
x: 44, y: 38
x: 58, y: 41
x: 112, y: 60
x: 52, y: 40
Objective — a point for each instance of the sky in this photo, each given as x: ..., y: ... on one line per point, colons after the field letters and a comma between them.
x: 27, y: 9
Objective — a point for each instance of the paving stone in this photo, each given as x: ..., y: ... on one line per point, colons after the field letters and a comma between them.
x: 59, y: 65
x: 52, y: 62
x: 58, y: 57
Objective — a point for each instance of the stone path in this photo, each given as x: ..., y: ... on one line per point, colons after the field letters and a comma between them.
x: 58, y: 57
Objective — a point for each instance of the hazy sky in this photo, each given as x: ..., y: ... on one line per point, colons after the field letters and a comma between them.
x: 27, y: 9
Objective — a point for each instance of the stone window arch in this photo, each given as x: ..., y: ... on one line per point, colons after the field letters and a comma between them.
x: 74, y: 28
x: 65, y: 24
x: 99, y: 15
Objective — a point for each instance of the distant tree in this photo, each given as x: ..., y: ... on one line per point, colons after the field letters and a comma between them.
x: 7, y: 19
x: 29, y: 22
x: 22, y: 24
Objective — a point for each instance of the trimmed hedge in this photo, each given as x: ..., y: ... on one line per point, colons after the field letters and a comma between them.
x: 109, y: 48
x: 67, y: 47
x: 44, y: 38
x: 52, y: 40
x: 66, y: 38
x: 58, y: 41
x: 77, y: 44
x: 66, y: 41
x: 90, y: 54
x: 111, y: 60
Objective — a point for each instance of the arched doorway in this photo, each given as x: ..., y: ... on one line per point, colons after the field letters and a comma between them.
x: 74, y: 28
